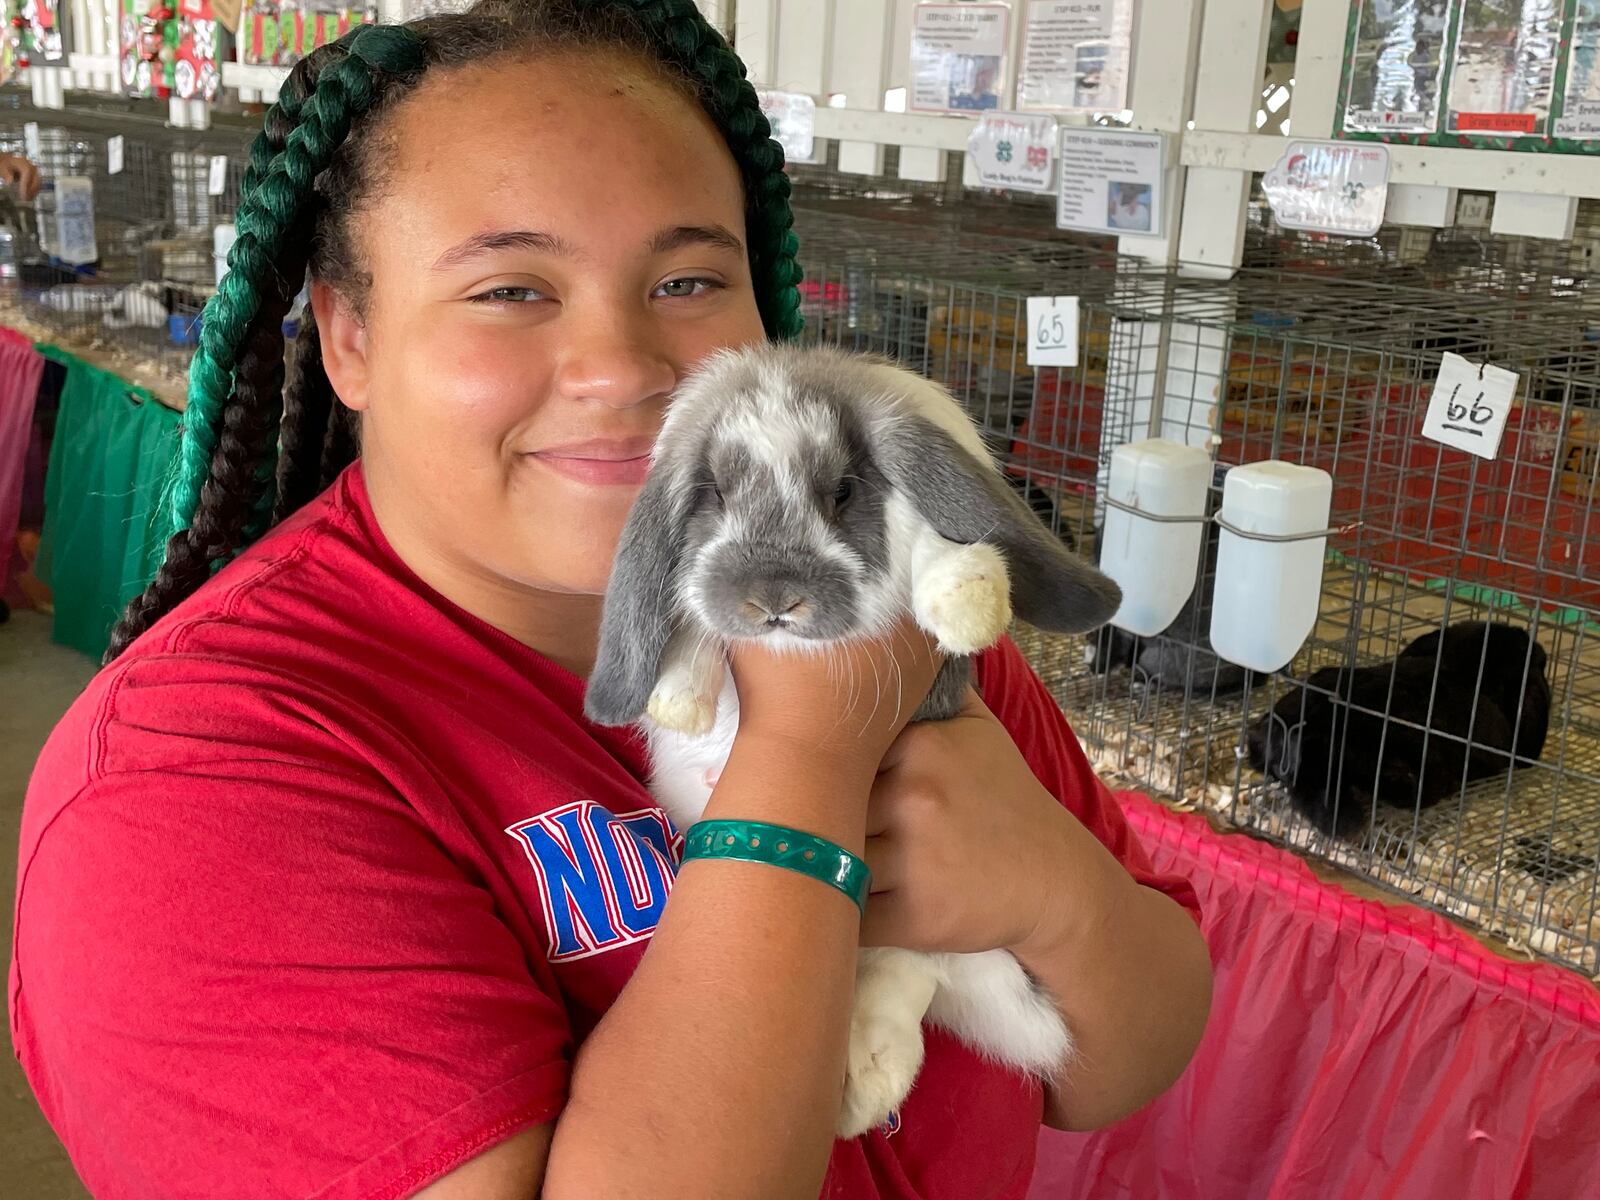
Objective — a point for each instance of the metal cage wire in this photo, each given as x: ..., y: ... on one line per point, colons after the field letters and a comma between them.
x: 1320, y: 353
x: 136, y: 305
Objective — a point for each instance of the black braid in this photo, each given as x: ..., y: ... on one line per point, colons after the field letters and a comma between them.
x: 308, y: 404
x: 237, y: 499
x: 342, y: 444
x: 231, y: 495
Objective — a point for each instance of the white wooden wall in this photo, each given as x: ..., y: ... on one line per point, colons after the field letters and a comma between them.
x: 1196, y: 76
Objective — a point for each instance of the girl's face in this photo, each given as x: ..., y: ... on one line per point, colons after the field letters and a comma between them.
x: 557, y: 241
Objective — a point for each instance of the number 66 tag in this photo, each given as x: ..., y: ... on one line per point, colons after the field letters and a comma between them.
x: 1469, y: 406
x: 1052, y: 331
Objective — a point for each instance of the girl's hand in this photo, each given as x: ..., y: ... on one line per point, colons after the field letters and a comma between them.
x: 968, y: 850
x: 849, y: 702
x: 19, y: 173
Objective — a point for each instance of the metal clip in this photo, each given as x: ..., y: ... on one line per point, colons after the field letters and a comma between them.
x: 1331, y: 531
x: 1149, y: 516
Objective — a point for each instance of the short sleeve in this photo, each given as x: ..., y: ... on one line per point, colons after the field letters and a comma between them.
x: 268, y: 983
x: 1022, y: 703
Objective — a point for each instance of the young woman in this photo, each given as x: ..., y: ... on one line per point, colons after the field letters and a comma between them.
x: 328, y: 889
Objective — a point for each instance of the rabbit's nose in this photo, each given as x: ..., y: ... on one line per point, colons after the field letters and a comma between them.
x: 775, y: 609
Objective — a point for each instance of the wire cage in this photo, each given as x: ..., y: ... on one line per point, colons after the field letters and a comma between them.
x: 145, y: 199
x: 1377, y: 747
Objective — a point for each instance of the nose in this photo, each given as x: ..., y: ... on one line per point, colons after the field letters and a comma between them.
x: 613, y: 360
x: 775, y: 607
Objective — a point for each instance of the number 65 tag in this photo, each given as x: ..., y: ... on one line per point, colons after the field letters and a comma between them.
x: 1052, y: 331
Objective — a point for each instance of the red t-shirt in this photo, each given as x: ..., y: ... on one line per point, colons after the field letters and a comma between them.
x: 321, y: 883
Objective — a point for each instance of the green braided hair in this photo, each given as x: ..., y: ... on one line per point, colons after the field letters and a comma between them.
x: 253, y: 451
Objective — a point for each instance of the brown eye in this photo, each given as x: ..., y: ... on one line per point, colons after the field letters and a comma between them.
x: 843, y: 493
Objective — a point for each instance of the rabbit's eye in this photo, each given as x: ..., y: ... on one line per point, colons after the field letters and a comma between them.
x: 842, y: 493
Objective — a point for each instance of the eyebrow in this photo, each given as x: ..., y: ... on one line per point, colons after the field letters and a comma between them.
x: 665, y: 242
x: 503, y: 239
x: 680, y: 236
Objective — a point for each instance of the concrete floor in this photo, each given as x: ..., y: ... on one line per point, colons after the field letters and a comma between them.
x: 38, y: 680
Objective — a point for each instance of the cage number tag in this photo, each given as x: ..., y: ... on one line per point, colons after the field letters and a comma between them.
x: 1469, y: 406
x: 114, y: 155
x: 1052, y: 331
x: 218, y: 177
x: 30, y: 141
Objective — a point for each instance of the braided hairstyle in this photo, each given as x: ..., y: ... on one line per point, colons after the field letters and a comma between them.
x: 253, y: 451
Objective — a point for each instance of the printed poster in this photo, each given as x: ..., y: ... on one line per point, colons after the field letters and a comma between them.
x: 1330, y: 187
x: 1110, y: 181
x: 1014, y: 151
x: 1396, y: 65
x: 195, y: 74
x: 196, y: 51
x: 280, y: 33
x: 1075, y: 55
x: 793, y: 117
x: 1580, y: 105
x: 1504, y: 75
x: 44, y: 24
x: 958, y: 56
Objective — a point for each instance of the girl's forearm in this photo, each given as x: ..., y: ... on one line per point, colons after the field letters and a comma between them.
x: 1132, y: 976
x: 718, y: 1070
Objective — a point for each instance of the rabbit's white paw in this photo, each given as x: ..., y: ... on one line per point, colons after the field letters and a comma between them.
x: 885, y: 1056
x: 682, y: 708
x: 964, y: 599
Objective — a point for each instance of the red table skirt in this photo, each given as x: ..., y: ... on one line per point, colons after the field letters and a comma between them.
x: 1355, y: 1050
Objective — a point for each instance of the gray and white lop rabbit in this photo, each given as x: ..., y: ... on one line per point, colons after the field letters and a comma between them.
x: 808, y: 496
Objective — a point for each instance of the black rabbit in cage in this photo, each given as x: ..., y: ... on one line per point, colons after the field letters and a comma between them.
x: 1180, y: 656
x: 1463, y: 703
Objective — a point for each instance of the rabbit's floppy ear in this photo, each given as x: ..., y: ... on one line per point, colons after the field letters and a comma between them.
x: 966, y: 500
x: 640, y: 602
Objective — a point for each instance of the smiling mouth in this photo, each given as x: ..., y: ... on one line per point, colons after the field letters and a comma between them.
x: 601, y: 471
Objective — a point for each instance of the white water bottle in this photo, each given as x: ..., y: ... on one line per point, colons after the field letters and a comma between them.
x: 1154, y: 562
x: 1268, y: 589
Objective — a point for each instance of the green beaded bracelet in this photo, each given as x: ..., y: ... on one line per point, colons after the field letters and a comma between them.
x: 756, y: 841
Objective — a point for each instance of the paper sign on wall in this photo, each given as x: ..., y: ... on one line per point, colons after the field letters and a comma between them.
x: 1110, y: 181
x: 793, y: 117
x: 66, y: 219
x: 217, y: 175
x: 1332, y: 187
x: 1014, y: 152
x: 1469, y: 406
x: 1396, y: 64
x: 1580, y: 108
x: 958, y: 56
x: 1505, y: 68
x: 1075, y: 55
x: 1052, y: 331
x: 114, y: 155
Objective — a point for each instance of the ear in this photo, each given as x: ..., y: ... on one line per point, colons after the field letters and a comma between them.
x: 967, y: 501
x: 343, y: 336
x: 639, y: 615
